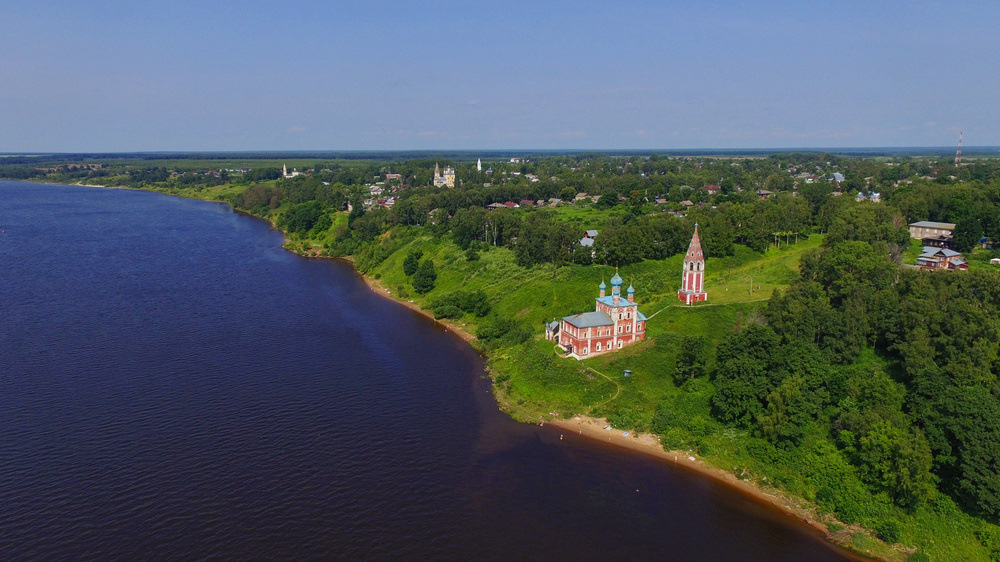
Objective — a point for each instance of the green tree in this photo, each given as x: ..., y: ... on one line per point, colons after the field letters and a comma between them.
x: 968, y: 231
x: 896, y: 462
x: 412, y: 262
x: 424, y: 277
x: 788, y: 412
x: 691, y: 359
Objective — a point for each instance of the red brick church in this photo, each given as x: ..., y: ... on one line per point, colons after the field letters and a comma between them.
x: 615, y: 323
x: 693, y: 281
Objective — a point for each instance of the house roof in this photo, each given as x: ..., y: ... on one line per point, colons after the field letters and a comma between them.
x: 589, y: 320
x: 592, y: 233
x: 587, y: 242
x: 932, y: 224
x: 932, y: 251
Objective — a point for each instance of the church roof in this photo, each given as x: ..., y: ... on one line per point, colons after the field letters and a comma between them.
x: 589, y: 320
x: 694, y: 252
x: 616, y: 280
x: 602, y: 286
x: 630, y: 289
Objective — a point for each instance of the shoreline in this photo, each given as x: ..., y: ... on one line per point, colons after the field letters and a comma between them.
x: 380, y: 289
x: 593, y: 428
x: 649, y: 444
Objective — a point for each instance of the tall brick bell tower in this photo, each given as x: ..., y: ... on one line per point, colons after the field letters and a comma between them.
x: 693, y: 282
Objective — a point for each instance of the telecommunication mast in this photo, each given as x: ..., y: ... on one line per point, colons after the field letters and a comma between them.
x: 958, y: 155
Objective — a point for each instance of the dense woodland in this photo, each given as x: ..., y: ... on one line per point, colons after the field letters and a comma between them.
x: 879, y: 383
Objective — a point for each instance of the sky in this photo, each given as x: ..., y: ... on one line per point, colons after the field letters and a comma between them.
x: 218, y: 75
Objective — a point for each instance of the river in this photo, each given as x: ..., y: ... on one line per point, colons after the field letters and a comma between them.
x: 174, y: 384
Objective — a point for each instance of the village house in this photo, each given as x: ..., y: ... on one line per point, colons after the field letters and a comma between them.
x: 941, y: 258
x: 588, y: 240
x: 615, y: 323
x: 933, y: 234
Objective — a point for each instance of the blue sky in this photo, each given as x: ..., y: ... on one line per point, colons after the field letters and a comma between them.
x: 220, y: 75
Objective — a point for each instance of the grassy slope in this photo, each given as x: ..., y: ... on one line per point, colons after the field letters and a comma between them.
x: 534, y: 383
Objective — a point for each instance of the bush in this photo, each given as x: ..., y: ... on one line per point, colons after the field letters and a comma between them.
x: 447, y: 311
x: 629, y: 417
x: 664, y: 419
x: 474, y: 302
x: 503, y: 330
x: 888, y: 531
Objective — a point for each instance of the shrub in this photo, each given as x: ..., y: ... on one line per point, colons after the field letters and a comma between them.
x: 447, y: 311
x: 629, y: 417
x: 474, y: 302
x: 503, y: 330
x: 888, y: 531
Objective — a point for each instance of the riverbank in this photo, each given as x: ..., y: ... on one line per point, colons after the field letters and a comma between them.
x: 842, y: 536
x: 648, y: 444
x: 596, y: 430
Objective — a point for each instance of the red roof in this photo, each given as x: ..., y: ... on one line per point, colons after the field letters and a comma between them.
x: 694, y: 252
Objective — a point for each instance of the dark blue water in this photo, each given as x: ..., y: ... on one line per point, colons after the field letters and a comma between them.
x: 175, y: 385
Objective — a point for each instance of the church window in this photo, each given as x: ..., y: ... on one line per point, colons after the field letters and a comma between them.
x: 598, y: 346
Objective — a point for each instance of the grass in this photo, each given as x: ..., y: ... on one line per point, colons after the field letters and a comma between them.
x: 533, y: 383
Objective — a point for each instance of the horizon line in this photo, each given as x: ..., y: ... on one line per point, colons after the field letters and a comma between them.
x: 608, y: 151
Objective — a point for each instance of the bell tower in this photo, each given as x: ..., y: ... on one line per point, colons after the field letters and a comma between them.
x: 693, y: 276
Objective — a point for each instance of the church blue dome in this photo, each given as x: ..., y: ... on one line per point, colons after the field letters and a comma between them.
x: 616, y: 280
x: 602, y: 286
x: 630, y: 289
